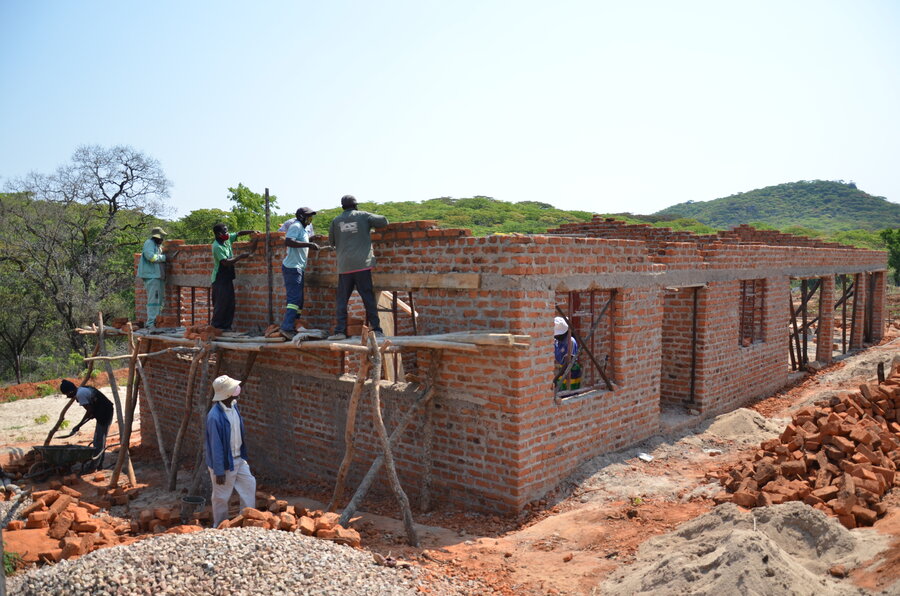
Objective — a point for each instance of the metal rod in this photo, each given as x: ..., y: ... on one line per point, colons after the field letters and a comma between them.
x: 804, y: 293
x: 853, y: 332
x: 691, y: 398
x: 843, y: 314
x: 269, y: 306
x: 796, y: 334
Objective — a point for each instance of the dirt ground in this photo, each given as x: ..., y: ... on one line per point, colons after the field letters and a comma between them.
x: 589, y: 528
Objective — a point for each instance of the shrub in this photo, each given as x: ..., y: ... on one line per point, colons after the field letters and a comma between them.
x: 45, y: 389
x: 42, y: 419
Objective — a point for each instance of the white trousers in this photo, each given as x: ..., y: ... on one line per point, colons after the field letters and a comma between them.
x: 240, y: 480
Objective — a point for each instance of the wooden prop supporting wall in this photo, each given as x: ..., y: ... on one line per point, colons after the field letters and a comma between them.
x: 124, y: 457
x: 202, y: 355
x: 130, y: 403
x: 394, y: 480
x: 425, y: 400
x: 349, y: 432
x: 151, y: 405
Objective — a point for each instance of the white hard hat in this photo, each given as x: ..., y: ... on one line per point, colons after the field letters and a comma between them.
x: 559, y: 326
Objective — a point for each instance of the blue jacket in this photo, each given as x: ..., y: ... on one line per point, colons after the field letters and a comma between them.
x: 218, y: 440
x: 149, y: 266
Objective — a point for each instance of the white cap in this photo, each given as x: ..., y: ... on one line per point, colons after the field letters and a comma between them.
x: 225, y: 387
x: 559, y: 326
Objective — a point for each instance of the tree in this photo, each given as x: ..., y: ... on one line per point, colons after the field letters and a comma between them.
x: 196, y: 226
x: 249, y: 210
x: 891, y: 239
x: 73, y: 232
x: 24, y: 312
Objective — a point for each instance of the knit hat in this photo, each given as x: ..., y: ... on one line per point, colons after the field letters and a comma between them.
x: 559, y: 326
x: 67, y: 387
x: 224, y: 387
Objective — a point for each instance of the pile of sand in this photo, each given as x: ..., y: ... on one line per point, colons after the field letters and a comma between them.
x: 788, y: 550
x: 744, y: 426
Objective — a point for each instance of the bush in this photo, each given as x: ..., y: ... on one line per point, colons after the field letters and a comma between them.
x: 44, y: 390
x: 64, y: 425
x: 42, y: 419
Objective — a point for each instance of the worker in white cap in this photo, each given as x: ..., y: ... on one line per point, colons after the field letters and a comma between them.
x: 226, y: 453
x: 565, y: 349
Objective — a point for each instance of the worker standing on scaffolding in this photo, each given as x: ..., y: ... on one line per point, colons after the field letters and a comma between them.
x: 349, y: 235
x: 226, y: 452
x: 151, y: 272
x: 223, y: 275
x: 292, y: 267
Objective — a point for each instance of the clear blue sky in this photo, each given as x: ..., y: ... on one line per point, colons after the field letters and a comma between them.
x: 593, y: 105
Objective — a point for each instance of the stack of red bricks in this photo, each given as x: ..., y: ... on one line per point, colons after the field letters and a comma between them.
x: 276, y: 514
x: 71, y: 521
x: 168, y: 520
x: 840, y: 456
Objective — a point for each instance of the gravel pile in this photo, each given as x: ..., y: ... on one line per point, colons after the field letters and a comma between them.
x: 228, y: 562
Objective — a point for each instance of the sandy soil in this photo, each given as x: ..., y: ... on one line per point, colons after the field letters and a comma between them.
x: 26, y: 422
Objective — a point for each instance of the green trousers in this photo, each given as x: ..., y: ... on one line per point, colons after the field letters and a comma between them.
x: 155, y: 298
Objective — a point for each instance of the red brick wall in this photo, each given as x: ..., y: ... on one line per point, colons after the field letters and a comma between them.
x: 677, y: 333
x: 500, y: 438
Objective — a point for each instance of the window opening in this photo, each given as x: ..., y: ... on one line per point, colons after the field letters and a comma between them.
x: 582, y: 351
x: 194, y: 305
x: 752, y: 309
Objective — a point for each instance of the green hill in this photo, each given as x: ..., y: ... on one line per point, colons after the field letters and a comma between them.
x: 821, y: 205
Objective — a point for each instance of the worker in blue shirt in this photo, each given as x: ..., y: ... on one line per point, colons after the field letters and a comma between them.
x: 226, y: 452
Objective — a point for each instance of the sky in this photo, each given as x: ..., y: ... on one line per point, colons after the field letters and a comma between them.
x: 593, y: 105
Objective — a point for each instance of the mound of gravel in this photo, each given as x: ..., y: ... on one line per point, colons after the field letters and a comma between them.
x: 787, y: 551
x: 227, y: 562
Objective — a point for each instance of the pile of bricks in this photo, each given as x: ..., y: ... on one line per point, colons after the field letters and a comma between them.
x: 276, y: 514
x: 202, y: 332
x: 840, y: 456
x: 166, y: 520
x: 71, y: 521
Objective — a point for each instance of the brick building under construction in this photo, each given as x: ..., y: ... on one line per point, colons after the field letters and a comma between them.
x: 668, y: 321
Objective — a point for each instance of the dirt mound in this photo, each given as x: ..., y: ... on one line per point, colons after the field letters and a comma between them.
x: 784, y: 549
x: 744, y: 426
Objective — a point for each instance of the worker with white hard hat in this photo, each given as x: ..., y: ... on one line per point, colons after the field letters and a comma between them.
x: 565, y: 349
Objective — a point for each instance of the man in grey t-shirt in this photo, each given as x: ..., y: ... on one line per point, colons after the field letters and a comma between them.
x: 349, y: 235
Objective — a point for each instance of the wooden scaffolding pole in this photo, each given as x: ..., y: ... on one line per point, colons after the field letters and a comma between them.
x: 428, y: 436
x: 394, y: 480
x: 349, y: 432
x: 151, y: 405
x: 124, y: 457
x: 188, y: 410
x: 424, y: 399
x: 130, y: 404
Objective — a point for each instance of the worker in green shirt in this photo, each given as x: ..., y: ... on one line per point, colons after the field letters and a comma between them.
x: 223, y: 275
